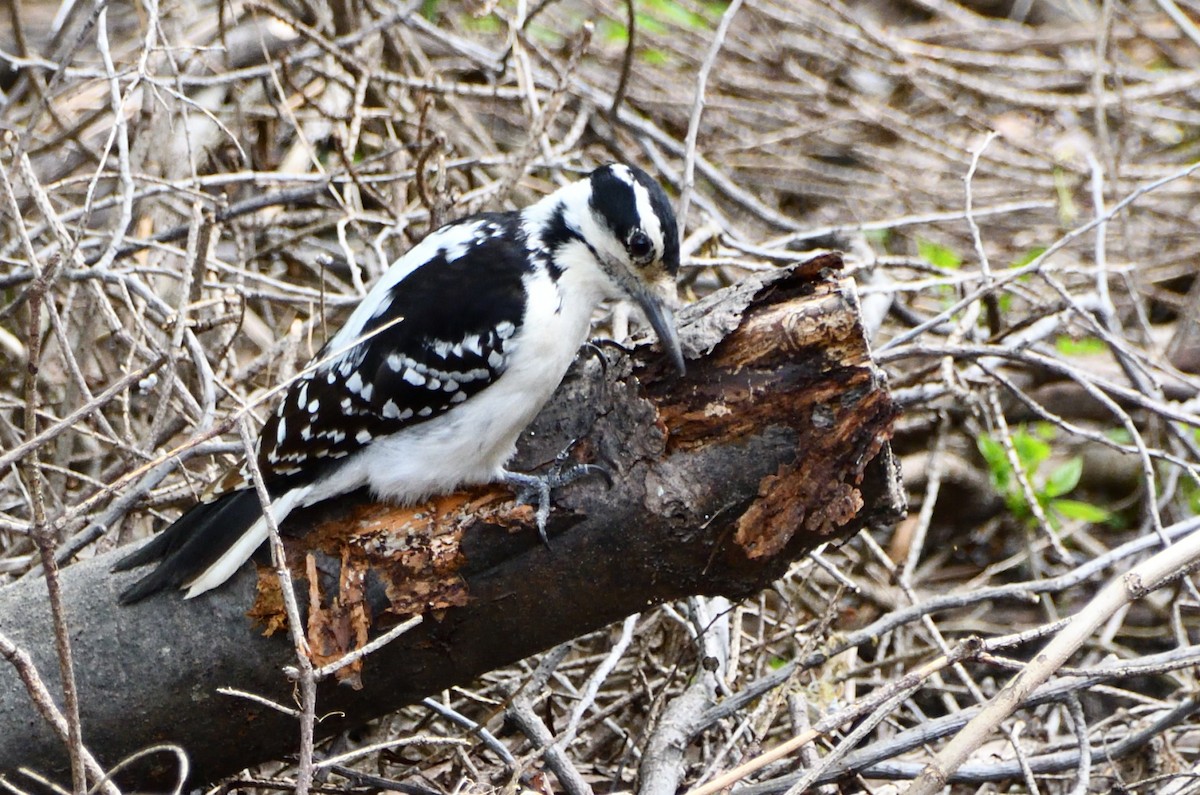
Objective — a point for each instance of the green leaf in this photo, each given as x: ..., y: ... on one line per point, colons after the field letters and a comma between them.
x: 937, y: 255
x: 1087, y: 346
x: 676, y: 14
x: 488, y: 23
x: 1014, y: 500
x: 1031, y: 451
x: 1193, y: 499
x: 1064, y: 478
x: 540, y: 33
x: 1120, y: 435
x: 649, y: 25
x: 612, y: 32
x: 716, y: 8
x: 992, y: 452
x: 1084, y: 511
x: 1028, y: 257
x: 1045, y: 430
x: 655, y: 56
x: 878, y: 237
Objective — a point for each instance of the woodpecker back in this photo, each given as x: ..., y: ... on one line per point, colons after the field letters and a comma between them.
x: 433, y: 377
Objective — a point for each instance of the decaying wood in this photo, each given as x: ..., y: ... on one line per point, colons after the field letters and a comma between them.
x: 775, y: 441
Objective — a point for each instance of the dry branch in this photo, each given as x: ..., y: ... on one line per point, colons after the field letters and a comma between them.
x: 774, y: 442
x: 270, y: 171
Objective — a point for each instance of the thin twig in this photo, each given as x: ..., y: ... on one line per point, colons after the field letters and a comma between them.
x: 306, y: 679
x: 693, y: 130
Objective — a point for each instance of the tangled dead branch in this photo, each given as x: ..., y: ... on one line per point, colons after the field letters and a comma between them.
x: 189, y: 194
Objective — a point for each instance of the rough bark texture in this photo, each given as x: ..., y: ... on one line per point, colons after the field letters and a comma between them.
x: 775, y: 440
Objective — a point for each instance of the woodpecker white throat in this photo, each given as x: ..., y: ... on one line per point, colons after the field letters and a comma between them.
x: 434, y: 376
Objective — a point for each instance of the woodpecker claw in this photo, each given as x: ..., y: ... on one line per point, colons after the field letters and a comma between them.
x: 532, y: 490
x: 583, y: 470
x: 594, y: 349
x: 535, y: 489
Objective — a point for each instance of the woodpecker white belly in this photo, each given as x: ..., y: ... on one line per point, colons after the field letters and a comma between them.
x: 434, y: 376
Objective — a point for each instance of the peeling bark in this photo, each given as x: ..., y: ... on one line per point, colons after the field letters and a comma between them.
x: 775, y: 441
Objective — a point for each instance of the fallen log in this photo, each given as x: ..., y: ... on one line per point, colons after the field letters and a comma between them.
x: 774, y: 441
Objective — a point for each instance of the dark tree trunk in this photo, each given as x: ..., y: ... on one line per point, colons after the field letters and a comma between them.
x: 775, y: 441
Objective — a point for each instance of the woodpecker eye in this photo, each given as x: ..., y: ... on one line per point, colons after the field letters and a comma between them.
x: 640, y: 246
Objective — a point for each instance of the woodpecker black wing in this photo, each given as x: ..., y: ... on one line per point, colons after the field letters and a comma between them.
x: 428, y: 345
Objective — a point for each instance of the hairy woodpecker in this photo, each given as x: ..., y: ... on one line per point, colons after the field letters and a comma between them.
x: 436, y: 373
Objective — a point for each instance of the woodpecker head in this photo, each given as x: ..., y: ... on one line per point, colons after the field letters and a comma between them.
x: 624, y: 223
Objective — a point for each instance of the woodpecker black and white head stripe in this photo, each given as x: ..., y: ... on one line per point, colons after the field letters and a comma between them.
x: 432, y: 378
x: 639, y: 215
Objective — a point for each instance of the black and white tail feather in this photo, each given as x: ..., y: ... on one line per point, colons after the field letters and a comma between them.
x: 430, y: 382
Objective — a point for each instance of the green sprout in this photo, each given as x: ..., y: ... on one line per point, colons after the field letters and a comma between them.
x: 1033, y: 451
x: 938, y: 255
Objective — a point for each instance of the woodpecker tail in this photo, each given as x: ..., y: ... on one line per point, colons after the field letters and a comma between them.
x: 205, y: 546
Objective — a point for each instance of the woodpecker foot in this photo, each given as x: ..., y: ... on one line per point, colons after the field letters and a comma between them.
x: 535, y: 489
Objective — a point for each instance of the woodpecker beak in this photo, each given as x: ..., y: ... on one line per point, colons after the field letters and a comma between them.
x: 663, y: 321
